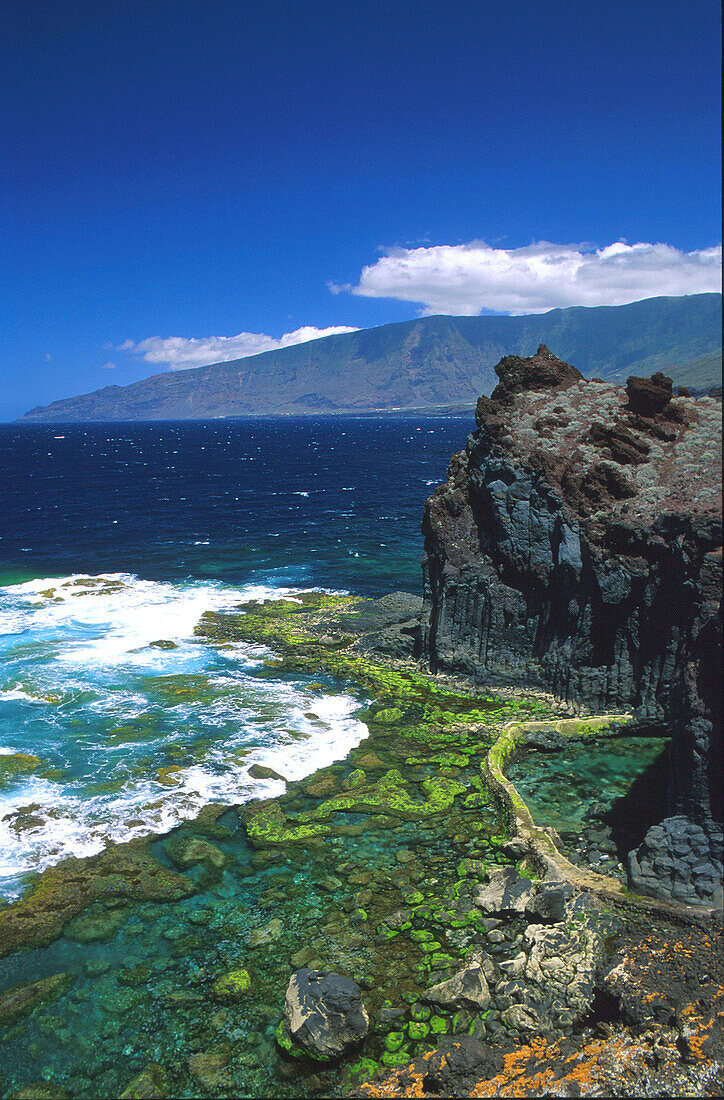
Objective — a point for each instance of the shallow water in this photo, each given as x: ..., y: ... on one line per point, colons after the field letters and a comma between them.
x: 561, y: 788
x: 116, y: 537
x: 142, y: 995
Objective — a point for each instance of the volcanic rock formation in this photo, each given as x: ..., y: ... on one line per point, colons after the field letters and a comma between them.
x: 577, y: 546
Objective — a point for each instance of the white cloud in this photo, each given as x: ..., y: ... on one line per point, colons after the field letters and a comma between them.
x: 467, y: 278
x: 108, y: 366
x: 180, y: 352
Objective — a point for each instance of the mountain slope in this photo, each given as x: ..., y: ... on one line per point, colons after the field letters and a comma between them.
x: 429, y: 364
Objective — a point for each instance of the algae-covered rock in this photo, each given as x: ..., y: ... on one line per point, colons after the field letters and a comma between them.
x: 60, y: 893
x: 355, y: 779
x: 320, y: 787
x: 187, y: 851
x: 231, y: 986
x: 209, y: 1068
x: 266, y: 933
x: 14, y: 764
x: 150, y: 1084
x: 260, y: 771
x: 388, y: 716
x: 96, y: 925
x: 21, y: 999
x: 41, y: 1090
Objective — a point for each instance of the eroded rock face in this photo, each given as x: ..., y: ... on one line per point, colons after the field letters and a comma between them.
x: 324, y: 1014
x: 577, y: 546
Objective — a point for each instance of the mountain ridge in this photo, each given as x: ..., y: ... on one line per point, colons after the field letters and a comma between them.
x: 429, y: 364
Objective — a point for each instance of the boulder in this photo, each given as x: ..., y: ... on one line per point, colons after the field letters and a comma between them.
x: 506, y: 891
x: 466, y: 989
x: 649, y: 396
x: 324, y: 1013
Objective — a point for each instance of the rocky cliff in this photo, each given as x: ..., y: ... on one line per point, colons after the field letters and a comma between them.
x: 577, y: 546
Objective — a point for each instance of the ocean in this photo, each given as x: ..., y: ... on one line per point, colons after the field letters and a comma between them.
x: 115, y: 720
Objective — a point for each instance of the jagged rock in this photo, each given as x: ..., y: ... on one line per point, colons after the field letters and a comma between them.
x: 525, y: 1019
x: 577, y: 547
x: 542, y: 371
x: 549, y: 901
x: 466, y: 989
x: 682, y: 860
x: 649, y: 396
x: 506, y: 891
x: 324, y: 1013
x: 563, y: 961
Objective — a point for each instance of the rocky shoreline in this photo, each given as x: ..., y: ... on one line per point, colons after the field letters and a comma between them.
x: 408, y: 921
x: 577, y: 545
x: 412, y: 889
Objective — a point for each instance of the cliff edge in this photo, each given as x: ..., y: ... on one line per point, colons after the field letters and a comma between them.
x: 577, y: 546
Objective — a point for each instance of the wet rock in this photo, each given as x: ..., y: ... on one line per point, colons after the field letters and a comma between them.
x: 41, y: 1090
x: 96, y: 925
x: 232, y: 986
x: 61, y: 893
x: 267, y: 933
x: 151, y: 1083
x: 260, y: 771
x: 187, y: 851
x: 22, y: 999
x: 209, y: 1068
x: 324, y: 1013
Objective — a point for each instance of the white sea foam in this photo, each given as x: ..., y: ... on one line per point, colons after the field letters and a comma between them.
x: 89, y: 663
x: 17, y: 693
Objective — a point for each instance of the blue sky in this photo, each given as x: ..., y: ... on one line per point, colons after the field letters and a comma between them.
x: 197, y: 169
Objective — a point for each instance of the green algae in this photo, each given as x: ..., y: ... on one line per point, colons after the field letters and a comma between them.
x: 231, y: 986
x: 16, y: 764
x: 125, y: 871
x: 309, y: 832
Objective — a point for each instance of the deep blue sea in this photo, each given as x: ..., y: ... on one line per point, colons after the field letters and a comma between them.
x: 113, y: 537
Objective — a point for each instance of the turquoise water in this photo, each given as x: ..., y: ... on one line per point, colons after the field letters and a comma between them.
x: 561, y: 788
x: 115, y: 737
x: 116, y: 537
x: 143, y: 994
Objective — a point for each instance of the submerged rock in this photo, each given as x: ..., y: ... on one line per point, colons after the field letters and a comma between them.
x: 95, y: 925
x: 232, y: 986
x: 324, y: 1013
x: 21, y: 999
x: 150, y: 1084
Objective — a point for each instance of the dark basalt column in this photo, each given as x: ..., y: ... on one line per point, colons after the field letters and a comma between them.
x: 577, y: 546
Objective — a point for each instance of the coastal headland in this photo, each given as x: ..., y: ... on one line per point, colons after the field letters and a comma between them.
x: 411, y: 921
